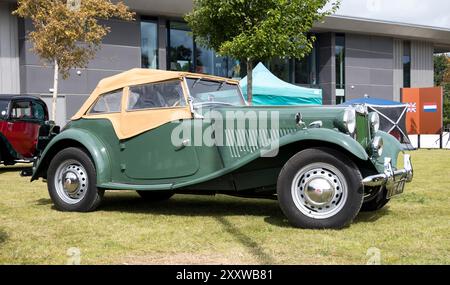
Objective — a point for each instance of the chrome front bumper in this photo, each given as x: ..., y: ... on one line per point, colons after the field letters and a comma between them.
x: 392, y: 179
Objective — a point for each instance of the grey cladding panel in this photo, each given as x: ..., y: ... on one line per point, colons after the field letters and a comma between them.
x: 367, y: 59
x: 381, y: 76
x: 357, y: 75
x: 73, y: 104
x: 382, y: 44
x: 40, y: 81
x: 359, y: 91
x: 360, y: 42
x: 114, y: 57
x: 94, y: 76
x: 369, y: 66
x: 123, y: 33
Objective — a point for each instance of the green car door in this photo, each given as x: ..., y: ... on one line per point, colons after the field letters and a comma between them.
x: 152, y: 154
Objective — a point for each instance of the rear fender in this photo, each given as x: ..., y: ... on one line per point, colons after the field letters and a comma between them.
x: 76, y: 138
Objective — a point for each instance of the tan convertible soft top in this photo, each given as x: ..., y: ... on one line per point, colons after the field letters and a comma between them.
x: 129, y: 124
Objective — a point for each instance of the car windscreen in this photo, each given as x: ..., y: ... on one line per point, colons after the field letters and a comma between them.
x: 204, y: 92
x: 4, y: 107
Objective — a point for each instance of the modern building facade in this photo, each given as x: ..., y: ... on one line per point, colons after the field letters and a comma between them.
x: 353, y: 57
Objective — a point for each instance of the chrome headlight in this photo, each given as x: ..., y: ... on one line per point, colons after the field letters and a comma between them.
x: 374, y: 119
x: 377, y: 146
x: 349, y: 120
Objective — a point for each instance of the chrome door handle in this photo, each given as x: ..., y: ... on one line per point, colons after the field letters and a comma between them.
x: 183, y: 144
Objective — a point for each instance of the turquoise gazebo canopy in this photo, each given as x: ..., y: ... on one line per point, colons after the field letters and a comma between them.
x: 270, y: 90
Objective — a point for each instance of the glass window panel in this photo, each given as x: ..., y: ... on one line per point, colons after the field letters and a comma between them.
x: 213, y: 92
x: 235, y: 69
x: 181, y: 47
x: 156, y: 95
x: 4, y: 107
x: 39, y: 112
x: 306, y: 70
x: 340, y: 61
x: 21, y: 110
x: 149, y: 44
x: 204, y: 60
x: 406, y: 64
x: 208, y: 62
x: 108, y: 103
x: 302, y: 71
x: 280, y: 68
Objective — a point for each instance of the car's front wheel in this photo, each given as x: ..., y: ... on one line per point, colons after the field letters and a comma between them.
x: 71, y: 181
x: 320, y: 188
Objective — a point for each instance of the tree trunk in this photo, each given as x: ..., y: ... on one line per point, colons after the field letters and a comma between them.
x: 249, y: 81
x: 55, y: 90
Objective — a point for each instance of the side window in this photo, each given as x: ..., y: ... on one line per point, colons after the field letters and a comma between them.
x: 4, y: 104
x: 39, y: 112
x: 108, y: 103
x: 21, y: 110
x: 156, y: 95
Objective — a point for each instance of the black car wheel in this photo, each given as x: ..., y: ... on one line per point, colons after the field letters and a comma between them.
x: 155, y: 196
x: 71, y: 181
x: 320, y: 188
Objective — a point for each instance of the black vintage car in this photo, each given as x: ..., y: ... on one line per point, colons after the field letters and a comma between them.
x: 23, y: 119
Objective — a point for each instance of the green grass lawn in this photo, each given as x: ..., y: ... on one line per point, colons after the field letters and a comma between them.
x: 413, y: 229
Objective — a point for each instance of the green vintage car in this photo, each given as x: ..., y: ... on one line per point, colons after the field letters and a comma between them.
x: 161, y: 133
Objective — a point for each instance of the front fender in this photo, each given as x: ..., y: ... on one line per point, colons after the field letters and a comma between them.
x: 329, y: 136
x: 76, y: 138
x: 391, y: 148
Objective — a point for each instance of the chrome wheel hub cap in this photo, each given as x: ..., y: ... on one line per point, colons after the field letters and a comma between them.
x: 71, y: 182
x: 319, y: 190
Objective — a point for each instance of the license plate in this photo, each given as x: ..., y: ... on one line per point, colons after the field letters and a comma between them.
x: 397, y: 189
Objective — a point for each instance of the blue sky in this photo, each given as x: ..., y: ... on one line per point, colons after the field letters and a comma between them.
x: 422, y: 12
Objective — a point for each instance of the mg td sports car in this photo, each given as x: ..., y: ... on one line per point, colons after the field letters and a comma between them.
x: 161, y: 133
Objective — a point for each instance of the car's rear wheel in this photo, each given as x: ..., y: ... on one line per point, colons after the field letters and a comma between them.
x: 376, y: 202
x: 320, y: 188
x: 71, y: 181
x: 155, y: 196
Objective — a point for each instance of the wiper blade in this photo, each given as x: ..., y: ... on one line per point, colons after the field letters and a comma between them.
x: 196, y: 82
x: 221, y: 85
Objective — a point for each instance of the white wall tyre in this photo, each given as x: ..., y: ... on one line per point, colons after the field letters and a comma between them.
x: 71, y: 181
x: 320, y: 188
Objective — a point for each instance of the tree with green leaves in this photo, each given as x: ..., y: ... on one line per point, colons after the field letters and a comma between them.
x: 68, y: 33
x: 441, y: 68
x: 251, y: 30
x: 442, y: 78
